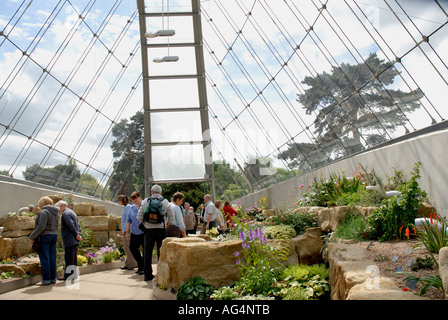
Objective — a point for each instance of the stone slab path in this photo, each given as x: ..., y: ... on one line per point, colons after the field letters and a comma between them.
x: 115, y: 284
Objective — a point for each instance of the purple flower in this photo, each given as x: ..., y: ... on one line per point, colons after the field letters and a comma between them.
x: 264, y: 240
x: 246, y: 245
x: 236, y: 254
x: 242, y: 236
x: 237, y: 261
x: 251, y: 235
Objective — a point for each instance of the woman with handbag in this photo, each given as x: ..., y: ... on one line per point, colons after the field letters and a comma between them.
x: 46, y: 229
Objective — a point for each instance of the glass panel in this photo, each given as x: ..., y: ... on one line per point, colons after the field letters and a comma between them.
x: 178, y: 162
x: 173, y: 93
x: 176, y: 127
x: 186, y: 65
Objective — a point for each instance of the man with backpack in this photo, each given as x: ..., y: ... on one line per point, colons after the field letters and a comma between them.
x: 155, y: 214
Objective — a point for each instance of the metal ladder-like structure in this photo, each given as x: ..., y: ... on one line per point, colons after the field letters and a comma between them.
x: 201, y: 86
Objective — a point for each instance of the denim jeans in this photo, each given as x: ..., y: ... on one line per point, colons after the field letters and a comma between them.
x: 47, y: 257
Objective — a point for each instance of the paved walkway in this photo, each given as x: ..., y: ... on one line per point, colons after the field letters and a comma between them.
x: 115, y: 284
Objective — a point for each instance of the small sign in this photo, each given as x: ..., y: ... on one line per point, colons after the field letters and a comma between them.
x: 410, y: 262
x: 399, y: 269
x: 394, y: 259
x: 411, y: 284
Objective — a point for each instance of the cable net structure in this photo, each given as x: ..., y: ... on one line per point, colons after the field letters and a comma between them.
x: 291, y: 85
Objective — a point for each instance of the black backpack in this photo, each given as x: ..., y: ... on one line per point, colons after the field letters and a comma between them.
x: 153, y: 213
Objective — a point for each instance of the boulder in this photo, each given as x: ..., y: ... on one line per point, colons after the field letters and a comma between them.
x: 181, y: 259
x: 18, y: 271
x: 308, y: 246
x: 268, y: 213
x: 323, y: 219
x: 99, y: 223
x: 336, y: 253
x: 21, y: 246
x: 31, y: 265
x: 16, y: 233
x: 5, y: 247
x: 99, y: 210
x: 386, y: 290
x: 114, y: 223
x: 100, y: 238
x: 443, y: 269
x: 83, y: 209
x: 17, y: 223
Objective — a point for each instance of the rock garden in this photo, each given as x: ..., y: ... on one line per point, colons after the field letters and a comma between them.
x: 358, y: 238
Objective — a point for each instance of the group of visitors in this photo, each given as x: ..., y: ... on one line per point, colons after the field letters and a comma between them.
x: 144, y: 223
x: 44, y: 239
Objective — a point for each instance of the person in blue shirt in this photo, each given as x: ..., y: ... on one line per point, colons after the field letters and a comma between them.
x: 177, y: 227
x: 134, y: 234
x: 130, y: 262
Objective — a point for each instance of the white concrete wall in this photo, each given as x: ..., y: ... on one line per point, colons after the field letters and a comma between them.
x: 430, y: 149
x: 14, y: 195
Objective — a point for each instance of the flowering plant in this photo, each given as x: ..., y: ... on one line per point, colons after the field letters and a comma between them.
x: 213, y: 232
x: 109, y: 252
x: 91, y: 258
x: 80, y: 260
x: 262, y: 262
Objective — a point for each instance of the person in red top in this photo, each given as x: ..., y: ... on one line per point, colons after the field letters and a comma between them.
x: 228, y: 213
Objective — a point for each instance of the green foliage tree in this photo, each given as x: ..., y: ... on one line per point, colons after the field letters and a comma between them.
x: 351, y: 103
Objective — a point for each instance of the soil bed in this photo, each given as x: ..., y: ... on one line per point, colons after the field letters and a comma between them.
x: 392, y: 254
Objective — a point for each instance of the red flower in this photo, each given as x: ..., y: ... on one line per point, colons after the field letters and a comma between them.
x: 407, y: 232
x: 405, y: 289
x: 430, y: 218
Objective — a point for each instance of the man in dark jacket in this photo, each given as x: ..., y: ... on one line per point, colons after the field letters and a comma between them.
x: 71, y: 235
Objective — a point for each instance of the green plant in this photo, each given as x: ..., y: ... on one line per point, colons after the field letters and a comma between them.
x: 86, y: 235
x: 304, y: 282
x: 194, y: 289
x: 396, y: 218
x: 280, y: 231
x: 261, y: 263
x: 427, y: 282
x: 352, y: 227
x: 425, y: 263
x: 225, y: 293
x: 434, y: 236
x: 299, y: 221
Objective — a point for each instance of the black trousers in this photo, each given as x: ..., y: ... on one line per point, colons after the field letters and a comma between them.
x: 71, y: 260
x: 152, y: 236
x: 137, y: 240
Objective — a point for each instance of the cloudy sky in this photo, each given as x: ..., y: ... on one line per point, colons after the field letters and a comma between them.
x: 70, y: 69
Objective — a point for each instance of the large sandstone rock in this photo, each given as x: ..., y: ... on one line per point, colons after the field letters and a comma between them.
x: 385, y: 290
x: 18, y: 271
x: 443, y: 269
x: 83, y: 209
x: 99, y: 210
x: 335, y: 254
x: 308, y: 246
x: 15, y: 223
x: 21, y: 246
x: 100, y: 238
x: 99, y: 223
x: 114, y: 223
x: 5, y: 248
x: 181, y: 259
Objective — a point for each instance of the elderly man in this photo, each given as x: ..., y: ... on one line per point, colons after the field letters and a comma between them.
x: 209, y: 214
x: 154, y: 230
x: 71, y: 235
